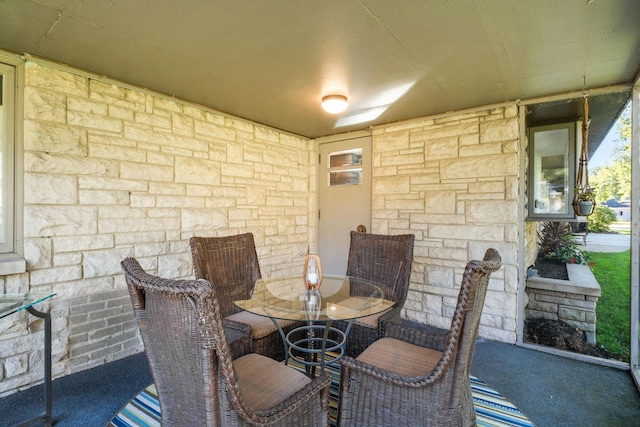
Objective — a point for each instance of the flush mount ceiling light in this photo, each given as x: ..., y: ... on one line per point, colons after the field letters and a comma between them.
x: 334, y: 104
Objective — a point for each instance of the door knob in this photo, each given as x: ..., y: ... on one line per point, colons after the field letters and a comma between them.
x: 361, y: 229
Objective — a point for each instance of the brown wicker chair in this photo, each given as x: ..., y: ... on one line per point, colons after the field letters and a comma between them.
x: 413, y: 377
x: 197, y: 381
x: 231, y: 263
x: 385, y: 260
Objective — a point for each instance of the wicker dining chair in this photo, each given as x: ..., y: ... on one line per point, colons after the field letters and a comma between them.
x: 413, y: 377
x: 197, y: 381
x: 231, y: 263
x: 386, y: 260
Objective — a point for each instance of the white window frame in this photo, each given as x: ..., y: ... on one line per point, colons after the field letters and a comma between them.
x: 11, y: 114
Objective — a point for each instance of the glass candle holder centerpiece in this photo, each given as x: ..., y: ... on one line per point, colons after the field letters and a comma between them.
x: 312, y: 274
x: 312, y: 277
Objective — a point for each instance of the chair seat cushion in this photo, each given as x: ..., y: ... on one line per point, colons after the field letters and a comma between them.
x: 265, y: 383
x: 367, y: 321
x: 261, y: 326
x: 400, y: 357
x: 371, y: 321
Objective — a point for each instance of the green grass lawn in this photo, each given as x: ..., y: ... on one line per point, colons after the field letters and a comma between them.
x: 612, y: 271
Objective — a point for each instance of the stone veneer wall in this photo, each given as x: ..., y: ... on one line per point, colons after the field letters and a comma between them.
x: 531, y: 245
x: 572, y: 301
x: 112, y: 172
x: 453, y: 182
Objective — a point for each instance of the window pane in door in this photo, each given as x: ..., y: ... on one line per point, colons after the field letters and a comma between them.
x: 341, y: 167
x: 350, y: 177
x: 341, y: 159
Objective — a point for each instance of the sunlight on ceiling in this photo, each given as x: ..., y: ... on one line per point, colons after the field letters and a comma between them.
x: 375, y: 106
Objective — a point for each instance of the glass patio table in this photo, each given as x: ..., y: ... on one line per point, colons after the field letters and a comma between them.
x: 317, y: 342
x: 13, y: 303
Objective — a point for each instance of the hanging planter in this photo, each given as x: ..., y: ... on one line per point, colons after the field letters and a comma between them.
x: 584, y: 197
x: 586, y: 206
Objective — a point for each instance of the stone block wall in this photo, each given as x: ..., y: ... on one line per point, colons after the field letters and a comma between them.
x: 531, y: 245
x: 576, y: 309
x: 111, y: 172
x: 572, y: 301
x: 453, y: 182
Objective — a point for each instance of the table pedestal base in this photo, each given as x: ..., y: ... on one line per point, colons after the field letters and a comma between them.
x: 315, y: 344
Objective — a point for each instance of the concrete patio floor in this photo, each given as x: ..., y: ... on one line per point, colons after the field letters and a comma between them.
x: 553, y: 391
x: 557, y: 391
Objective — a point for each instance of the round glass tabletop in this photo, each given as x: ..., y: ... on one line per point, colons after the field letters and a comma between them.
x: 338, y: 298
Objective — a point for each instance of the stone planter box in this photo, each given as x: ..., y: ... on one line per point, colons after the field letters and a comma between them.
x: 571, y: 301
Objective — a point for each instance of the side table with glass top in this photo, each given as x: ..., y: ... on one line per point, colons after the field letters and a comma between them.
x: 10, y: 304
x: 316, y: 343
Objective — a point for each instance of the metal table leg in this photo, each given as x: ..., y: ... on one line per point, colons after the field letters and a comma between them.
x: 284, y: 340
x: 46, y: 417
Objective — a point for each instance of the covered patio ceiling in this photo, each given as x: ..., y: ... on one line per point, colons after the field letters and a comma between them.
x: 273, y: 61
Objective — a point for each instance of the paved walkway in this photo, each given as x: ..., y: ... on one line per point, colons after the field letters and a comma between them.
x: 607, y: 242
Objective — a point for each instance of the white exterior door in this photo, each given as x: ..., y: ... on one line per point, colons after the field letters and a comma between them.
x: 344, y: 181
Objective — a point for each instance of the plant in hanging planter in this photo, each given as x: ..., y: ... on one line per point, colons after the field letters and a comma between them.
x: 585, y: 200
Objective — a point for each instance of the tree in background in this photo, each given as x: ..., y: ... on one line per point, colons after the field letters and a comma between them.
x: 614, y: 181
x: 601, y: 219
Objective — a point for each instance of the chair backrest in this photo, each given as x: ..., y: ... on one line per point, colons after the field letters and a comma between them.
x: 463, y: 333
x: 184, y: 340
x: 229, y: 262
x: 385, y: 259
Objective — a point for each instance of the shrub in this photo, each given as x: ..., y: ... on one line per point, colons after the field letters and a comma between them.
x: 601, y: 219
x: 569, y: 253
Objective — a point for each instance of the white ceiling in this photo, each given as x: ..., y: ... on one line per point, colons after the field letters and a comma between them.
x: 271, y: 61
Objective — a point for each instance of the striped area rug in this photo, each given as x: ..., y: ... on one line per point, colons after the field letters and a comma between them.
x: 492, y: 408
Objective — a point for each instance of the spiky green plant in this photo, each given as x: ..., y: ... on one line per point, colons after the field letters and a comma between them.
x: 553, y: 235
x: 558, y: 245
